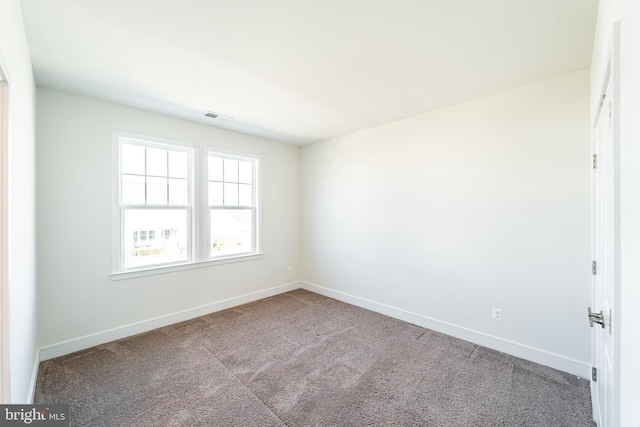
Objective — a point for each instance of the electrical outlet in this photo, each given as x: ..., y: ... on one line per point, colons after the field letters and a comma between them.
x: 289, y: 270
x: 496, y: 313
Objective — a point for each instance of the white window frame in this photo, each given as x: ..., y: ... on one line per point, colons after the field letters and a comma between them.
x: 255, y: 207
x: 120, y: 208
x: 198, y: 209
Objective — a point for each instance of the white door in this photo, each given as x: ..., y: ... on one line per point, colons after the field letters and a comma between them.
x: 603, y: 249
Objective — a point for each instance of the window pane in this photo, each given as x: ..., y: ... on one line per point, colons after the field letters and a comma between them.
x: 246, y: 198
x: 230, y: 170
x: 230, y: 194
x: 215, y: 168
x: 132, y: 159
x: 156, y: 162
x: 231, y: 231
x: 178, y: 192
x: 245, y: 171
x: 132, y: 190
x: 215, y: 193
x: 149, y: 223
x: 178, y: 164
x: 156, y: 191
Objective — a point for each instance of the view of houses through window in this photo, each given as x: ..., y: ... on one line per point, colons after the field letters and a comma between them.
x: 155, y: 237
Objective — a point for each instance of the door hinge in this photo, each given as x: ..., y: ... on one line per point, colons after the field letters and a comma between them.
x: 595, y: 161
x: 594, y: 374
x: 594, y: 267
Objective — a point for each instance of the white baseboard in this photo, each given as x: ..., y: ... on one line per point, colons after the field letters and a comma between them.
x: 70, y: 346
x: 543, y: 357
x: 34, y: 378
x: 523, y: 351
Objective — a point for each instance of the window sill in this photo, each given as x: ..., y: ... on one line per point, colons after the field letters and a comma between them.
x: 150, y: 271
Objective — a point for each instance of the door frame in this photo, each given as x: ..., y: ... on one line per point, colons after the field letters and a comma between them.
x: 5, y: 384
x: 612, y: 320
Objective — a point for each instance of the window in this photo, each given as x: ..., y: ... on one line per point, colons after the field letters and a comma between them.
x: 155, y: 194
x: 157, y: 220
x: 232, y: 206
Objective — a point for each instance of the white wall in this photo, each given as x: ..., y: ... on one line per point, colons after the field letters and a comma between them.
x: 627, y: 13
x: 80, y: 302
x: 14, y: 55
x: 440, y: 217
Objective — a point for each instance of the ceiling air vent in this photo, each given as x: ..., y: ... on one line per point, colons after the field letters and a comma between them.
x: 213, y: 115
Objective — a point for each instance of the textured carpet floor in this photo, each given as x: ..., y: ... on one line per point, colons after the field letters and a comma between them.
x: 301, y: 359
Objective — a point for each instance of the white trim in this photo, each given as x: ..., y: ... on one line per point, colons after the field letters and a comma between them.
x: 31, y: 391
x: 562, y: 363
x: 77, y: 344
x: 160, y: 142
x: 5, y: 370
x: 151, y: 270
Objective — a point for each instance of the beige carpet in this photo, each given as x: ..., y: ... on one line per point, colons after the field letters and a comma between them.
x: 301, y: 359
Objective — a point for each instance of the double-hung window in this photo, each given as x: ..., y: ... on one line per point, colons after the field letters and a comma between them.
x: 172, y: 210
x: 156, y: 198
x: 231, y: 188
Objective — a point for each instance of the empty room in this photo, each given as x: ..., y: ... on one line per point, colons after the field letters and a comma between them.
x: 320, y: 213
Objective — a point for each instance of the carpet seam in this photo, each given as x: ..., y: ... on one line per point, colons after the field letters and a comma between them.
x: 244, y: 385
x: 473, y: 352
x: 422, y: 334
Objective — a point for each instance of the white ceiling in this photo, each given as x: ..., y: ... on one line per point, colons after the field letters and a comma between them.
x: 302, y: 71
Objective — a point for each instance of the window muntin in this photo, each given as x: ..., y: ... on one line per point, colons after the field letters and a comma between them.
x: 154, y: 176
x: 232, y: 204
